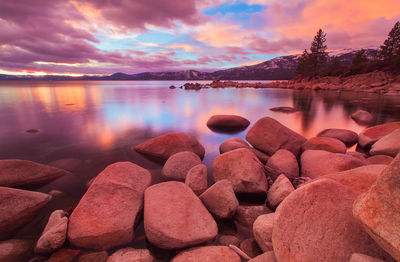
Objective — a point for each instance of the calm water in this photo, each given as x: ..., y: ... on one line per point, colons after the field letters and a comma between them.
x: 98, y: 122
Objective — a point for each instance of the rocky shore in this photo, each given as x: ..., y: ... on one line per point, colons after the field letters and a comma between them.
x: 319, y: 201
x: 375, y: 82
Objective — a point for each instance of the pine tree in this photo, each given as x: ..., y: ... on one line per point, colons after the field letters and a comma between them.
x: 360, y: 57
x: 303, y: 64
x: 390, y: 50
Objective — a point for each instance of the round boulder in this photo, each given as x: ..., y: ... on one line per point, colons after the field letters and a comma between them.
x: 282, y: 162
x: 179, y: 164
x: 348, y: 137
x: 207, y: 254
x: 379, y: 160
x: 372, y: 134
x: 228, y: 121
x: 363, y: 117
x: 54, y: 234
x: 262, y: 230
x: 324, y: 143
x: 131, y: 254
x: 279, y: 190
x: 387, y: 145
x: 232, y: 143
x: 196, y: 179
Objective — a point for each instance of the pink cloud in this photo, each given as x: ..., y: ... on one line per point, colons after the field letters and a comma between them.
x: 263, y: 46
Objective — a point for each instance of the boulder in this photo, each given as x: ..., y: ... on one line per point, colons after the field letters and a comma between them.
x: 106, y: 214
x: 301, y: 181
x: 357, y: 257
x: 179, y: 164
x: 265, y: 257
x: 282, y: 162
x: 316, y: 163
x: 262, y: 231
x: 246, y: 215
x: 232, y: 144
x: 16, y: 250
x: 196, y: 179
x: 17, y: 173
x: 250, y: 247
x: 279, y: 190
x: 315, y: 223
x: 229, y: 121
x: 207, y: 254
x: 372, y: 134
x: 174, y: 217
x: 226, y: 240
x: 379, y: 160
x: 268, y: 135
x: 284, y: 109
x: 164, y: 146
x: 324, y: 143
x: 348, y: 137
x: 363, y: 117
x: 260, y: 155
x: 65, y: 255
x: 220, y: 199
x: 359, y: 155
x: 18, y: 207
x: 131, y: 254
x: 378, y: 210
x: 387, y: 145
x: 243, y: 169
x: 94, y: 257
x: 54, y: 234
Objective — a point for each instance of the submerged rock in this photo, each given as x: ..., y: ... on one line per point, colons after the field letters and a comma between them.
x: 387, y: 145
x: 207, y: 254
x: 174, y: 217
x: 54, y: 234
x: 196, y: 179
x: 282, y: 162
x: 106, y: 214
x: 284, y: 109
x: 363, y: 117
x: 373, y: 134
x: 179, y: 164
x: 348, y: 137
x: 164, y: 146
x: 228, y: 121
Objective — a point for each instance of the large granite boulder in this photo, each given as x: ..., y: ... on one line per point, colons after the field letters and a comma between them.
x: 262, y: 230
x: 220, y: 199
x: 196, y: 179
x: 16, y: 250
x: 243, y: 169
x: 54, y: 234
x: 316, y: 163
x: 232, y: 144
x: 357, y: 257
x: 17, y: 173
x: 378, y: 210
x: 131, y: 255
x: 370, y: 135
x: 174, y: 217
x: 269, y: 136
x: 282, y: 162
x: 348, y: 137
x: 325, y: 143
x: 387, y: 145
x: 228, y: 121
x: 315, y: 223
x: 19, y: 207
x: 207, y: 254
x: 279, y: 190
x: 179, y: 164
x: 164, y: 146
x: 105, y: 216
x: 363, y: 117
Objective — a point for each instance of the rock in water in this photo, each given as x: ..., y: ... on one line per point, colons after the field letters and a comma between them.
x: 106, y: 214
x: 379, y: 209
x: 174, y: 217
x: 196, y: 179
x: 243, y: 169
x: 16, y: 250
x: 315, y: 223
x: 269, y: 135
x: 16, y: 173
x: 362, y: 117
x: 179, y: 164
x: 164, y: 146
x: 131, y: 255
x: 282, y: 162
x: 325, y: 143
x: 229, y: 121
x: 373, y: 134
x: 207, y: 254
x: 316, y: 163
x: 387, y: 145
x: 54, y: 234
x: 18, y: 207
x: 348, y: 137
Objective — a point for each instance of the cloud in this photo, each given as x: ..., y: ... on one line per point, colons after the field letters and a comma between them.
x: 286, y: 45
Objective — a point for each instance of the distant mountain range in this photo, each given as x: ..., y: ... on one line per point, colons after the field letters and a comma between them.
x: 279, y: 68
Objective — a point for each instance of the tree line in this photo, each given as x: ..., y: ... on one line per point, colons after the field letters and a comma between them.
x: 314, y: 62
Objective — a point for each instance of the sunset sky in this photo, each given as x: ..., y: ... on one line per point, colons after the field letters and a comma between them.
x: 132, y: 36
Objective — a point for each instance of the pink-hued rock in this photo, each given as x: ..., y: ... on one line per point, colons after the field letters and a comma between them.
x: 174, y: 217
x: 301, y: 181
x: 379, y: 160
x: 232, y: 144
x: 357, y: 257
x: 372, y: 134
x: 358, y: 155
x: 106, y: 214
x: 279, y: 190
x: 284, y: 109
x: 348, y: 137
x: 179, y: 164
x: 263, y: 157
x: 246, y: 215
x: 131, y: 255
x: 228, y: 121
x: 325, y: 143
x: 269, y: 136
x: 387, y: 145
x: 378, y: 210
x: 18, y: 207
x: 100, y: 256
x: 220, y: 199
x: 207, y: 254
x: 282, y: 162
x: 65, y: 255
x: 164, y: 146
x: 250, y: 247
x: 196, y: 179
x: 16, y: 250
x: 16, y: 173
x: 265, y: 257
x: 262, y: 230
x: 243, y: 169
x: 316, y: 163
x: 363, y: 117
x: 54, y: 234
x: 315, y: 223
x: 359, y: 179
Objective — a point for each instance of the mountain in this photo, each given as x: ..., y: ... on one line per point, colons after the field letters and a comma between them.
x: 279, y: 68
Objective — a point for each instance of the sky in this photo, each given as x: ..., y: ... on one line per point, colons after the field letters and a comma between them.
x: 76, y: 37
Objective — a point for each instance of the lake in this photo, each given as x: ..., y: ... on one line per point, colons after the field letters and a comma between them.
x: 98, y: 122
